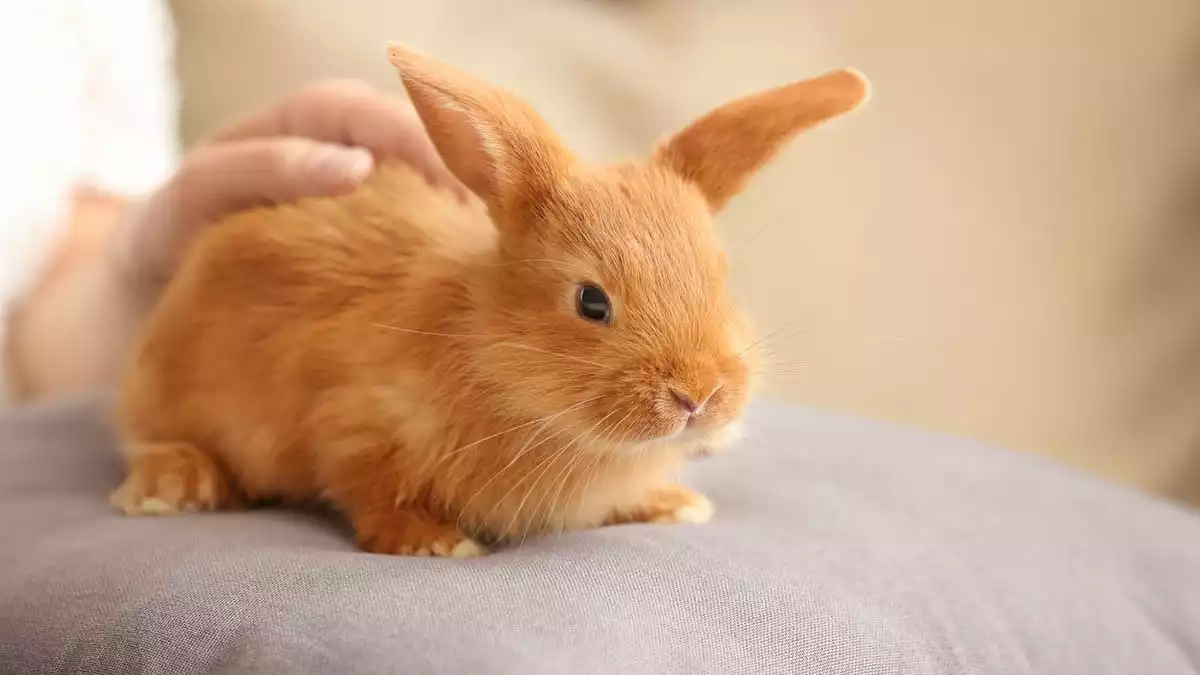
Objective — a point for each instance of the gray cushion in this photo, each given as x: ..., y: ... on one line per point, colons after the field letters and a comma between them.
x: 840, y: 546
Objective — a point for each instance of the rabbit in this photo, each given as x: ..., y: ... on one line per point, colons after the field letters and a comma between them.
x: 456, y: 375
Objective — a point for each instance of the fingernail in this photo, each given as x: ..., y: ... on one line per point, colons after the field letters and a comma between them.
x: 344, y: 164
x: 359, y: 163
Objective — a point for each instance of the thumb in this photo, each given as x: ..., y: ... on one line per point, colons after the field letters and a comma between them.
x: 221, y: 178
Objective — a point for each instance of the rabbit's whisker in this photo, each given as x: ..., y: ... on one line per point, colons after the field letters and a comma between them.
x: 544, y: 465
x: 547, y: 463
x: 560, y: 263
x: 537, y: 481
x: 765, y: 340
x: 529, y: 446
x: 568, y: 357
x: 565, y: 478
x: 594, y: 465
x: 562, y: 479
x: 503, y: 343
x: 547, y: 418
x: 426, y: 332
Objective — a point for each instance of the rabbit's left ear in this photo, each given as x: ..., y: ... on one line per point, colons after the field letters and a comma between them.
x: 492, y: 140
x: 720, y: 151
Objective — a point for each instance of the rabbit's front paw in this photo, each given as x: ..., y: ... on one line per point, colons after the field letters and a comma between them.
x: 672, y: 504
x: 170, y: 478
x: 414, y: 532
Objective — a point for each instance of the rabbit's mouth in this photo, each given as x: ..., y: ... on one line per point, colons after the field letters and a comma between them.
x: 715, y: 438
x: 700, y: 441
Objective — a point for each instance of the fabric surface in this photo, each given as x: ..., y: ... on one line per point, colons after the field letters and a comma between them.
x: 839, y: 546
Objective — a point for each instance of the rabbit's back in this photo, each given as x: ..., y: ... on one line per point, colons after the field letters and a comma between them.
x: 276, y: 311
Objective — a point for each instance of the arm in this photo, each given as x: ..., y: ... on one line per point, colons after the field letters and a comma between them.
x: 75, y: 330
x: 74, y: 314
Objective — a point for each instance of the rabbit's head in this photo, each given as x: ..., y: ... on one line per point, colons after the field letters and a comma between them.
x: 605, y: 306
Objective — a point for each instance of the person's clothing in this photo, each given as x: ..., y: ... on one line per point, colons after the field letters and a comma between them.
x: 91, y: 104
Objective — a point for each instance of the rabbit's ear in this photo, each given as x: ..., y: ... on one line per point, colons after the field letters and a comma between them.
x: 491, y: 140
x: 720, y: 151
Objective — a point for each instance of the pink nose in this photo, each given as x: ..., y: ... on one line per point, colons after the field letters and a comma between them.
x: 692, y: 405
x: 686, y: 402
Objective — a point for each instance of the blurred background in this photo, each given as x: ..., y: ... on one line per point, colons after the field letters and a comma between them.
x: 1004, y: 244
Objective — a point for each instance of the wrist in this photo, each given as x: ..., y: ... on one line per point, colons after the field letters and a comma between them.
x: 74, y: 331
x: 129, y: 277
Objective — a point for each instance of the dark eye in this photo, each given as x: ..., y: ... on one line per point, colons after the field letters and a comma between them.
x: 593, y: 304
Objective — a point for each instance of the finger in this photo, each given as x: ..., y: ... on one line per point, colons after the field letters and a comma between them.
x: 221, y: 178
x: 348, y: 112
x: 351, y: 112
x: 218, y: 179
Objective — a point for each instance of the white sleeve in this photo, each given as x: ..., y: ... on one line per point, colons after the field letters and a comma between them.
x: 98, y: 109
x: 130, y: 132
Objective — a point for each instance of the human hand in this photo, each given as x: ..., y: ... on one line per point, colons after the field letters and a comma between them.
x: 320, y: 141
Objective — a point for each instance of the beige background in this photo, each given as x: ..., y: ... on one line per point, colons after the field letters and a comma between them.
x: 1004, y: 244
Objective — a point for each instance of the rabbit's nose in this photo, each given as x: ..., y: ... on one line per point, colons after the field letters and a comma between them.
x: 685, y: 401
x: 692, y: 403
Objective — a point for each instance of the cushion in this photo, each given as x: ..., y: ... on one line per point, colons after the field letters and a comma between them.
x: 839, y: 546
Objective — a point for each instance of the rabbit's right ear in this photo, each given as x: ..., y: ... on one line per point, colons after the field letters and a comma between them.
x: 491, y: 140
x: 719, y: 152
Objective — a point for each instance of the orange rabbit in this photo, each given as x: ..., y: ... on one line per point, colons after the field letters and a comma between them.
x: 453, y: 377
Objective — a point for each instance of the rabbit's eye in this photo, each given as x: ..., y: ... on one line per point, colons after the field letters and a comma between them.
x: 593, y: 304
